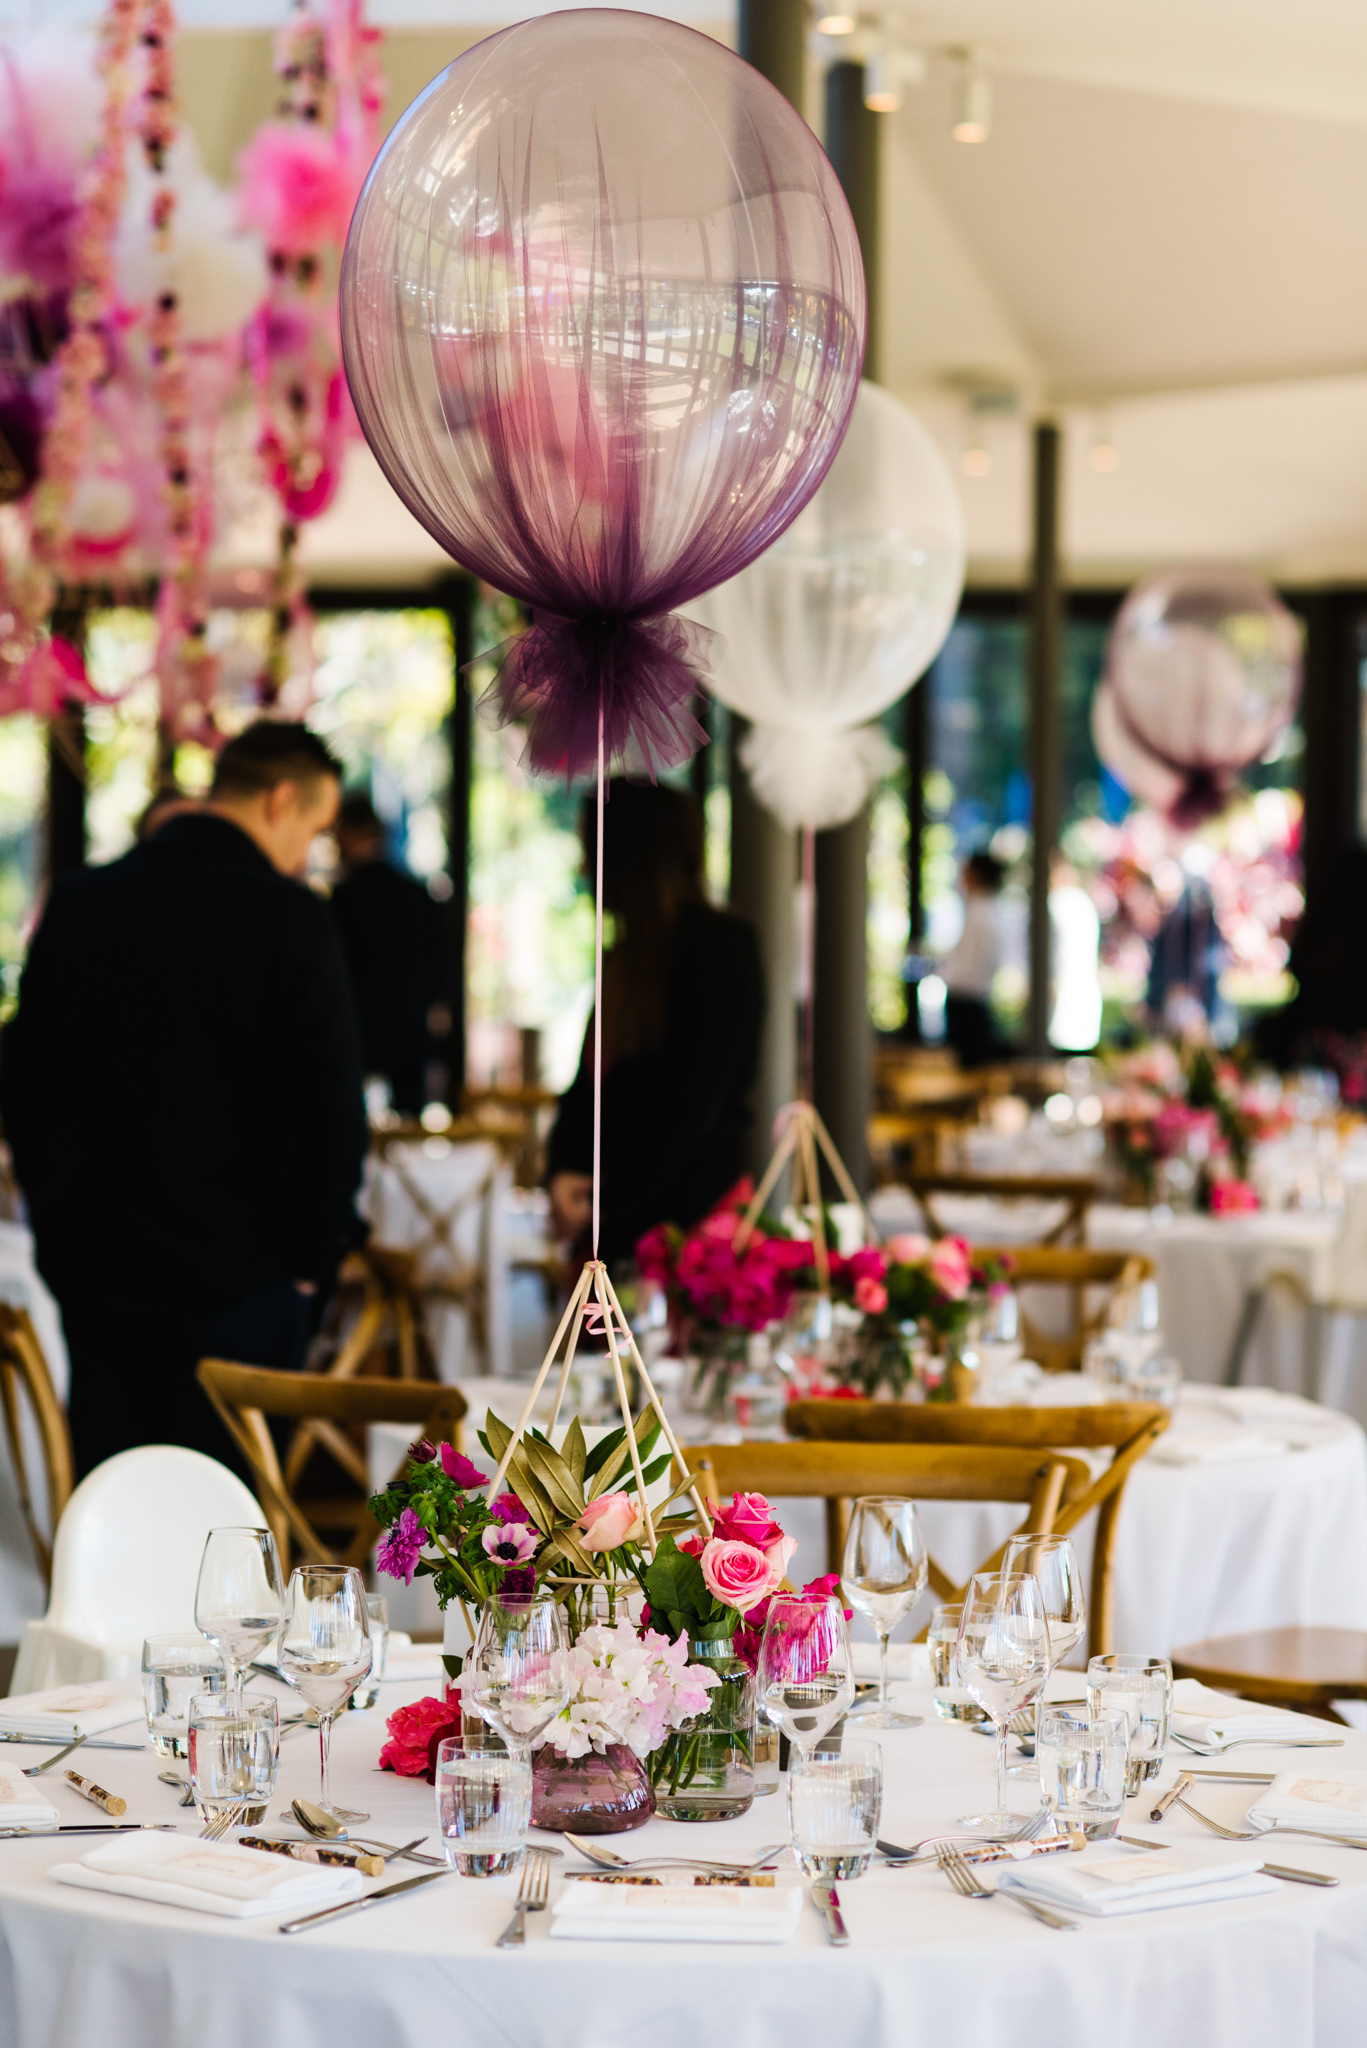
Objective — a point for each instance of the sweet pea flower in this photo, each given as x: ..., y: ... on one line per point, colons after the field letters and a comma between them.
x: 459, y: 1468
x: 735, y: 1573
x: 398, y: 1551
x: 870, y: 1296
x: 611, y: 1520
x: 509, y: 1542
x: 907, y: 1248
x: 950, y: 1267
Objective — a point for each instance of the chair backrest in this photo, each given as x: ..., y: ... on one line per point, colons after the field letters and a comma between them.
x: 838, y: 1472
x: 1128, y: 1429
x: 126, y: 1555
x: 1076, y: 1192
x: 29, y: 1400
x: 247, y: 1396
x: 1095, y: 1284
x: 1349, y: 1281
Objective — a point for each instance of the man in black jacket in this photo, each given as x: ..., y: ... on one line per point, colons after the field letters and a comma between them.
x: 392, y: 937
x: 181, y: 1090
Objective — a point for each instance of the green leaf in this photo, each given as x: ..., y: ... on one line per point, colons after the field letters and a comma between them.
x: 555, y: 1476
x: 602, y: 1451
x: 650, y: 1473
x: 674, y: 1585
x: 574, y: 1453
x: 531, y: 1493
x: 609, y: 1474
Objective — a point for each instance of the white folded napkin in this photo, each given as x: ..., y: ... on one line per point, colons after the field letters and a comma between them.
x: 906, y: 1662
x: 623, y: 1912
x: 208, y: 1877
x: 411, y: 1663
x: 22, y: 1804
x: 1213, y: 1719
x: 91, y: 1709
x: 1109, y: 1879
x: 1315, y: 1796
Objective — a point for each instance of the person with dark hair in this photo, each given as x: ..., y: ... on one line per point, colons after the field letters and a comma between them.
x: 970, y: 966
x: 394, y: 939
x: 181, y: 1091
x: 683, y: 1002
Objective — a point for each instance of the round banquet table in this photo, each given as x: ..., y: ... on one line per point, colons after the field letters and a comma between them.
x: 84, y: 1970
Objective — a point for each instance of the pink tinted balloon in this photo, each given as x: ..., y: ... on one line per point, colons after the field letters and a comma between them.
x: 1132, y: 765
x: 1204, y: 669
x: 603, y: 319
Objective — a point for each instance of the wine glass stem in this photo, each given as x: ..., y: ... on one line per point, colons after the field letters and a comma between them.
x: 1003, y: 1730
x: 884, y: 1639
x: 324, y: 1739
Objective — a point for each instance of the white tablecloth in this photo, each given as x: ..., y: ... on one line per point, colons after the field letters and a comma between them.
x: 1201, y: 1549
x: 82, y: 1970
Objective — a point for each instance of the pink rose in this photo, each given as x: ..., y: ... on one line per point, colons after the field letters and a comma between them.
x: 735, y: 1573
x: 908, y: 1248
x: 609, y: 1521
x: 414, y: 1735
x: 870, y: 1296
x: 950, y: 1267
x: 1232, y: 1197
x: 749, y: 1519
x: 779, y: 1555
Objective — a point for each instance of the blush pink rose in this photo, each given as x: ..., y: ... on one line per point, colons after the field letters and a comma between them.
x: 608, y: 1521
x: 779, y: 1555
x: 870, y: 1296
x: 908, y: 1248
x: 950, y: 1267
x: 736, y: 1573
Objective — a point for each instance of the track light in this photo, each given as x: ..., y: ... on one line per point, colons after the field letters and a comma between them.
x: 971, y: 107
x: 1103, y: 454
x: 882, y: 88
x: 836, y: 24
x: 975, y: 460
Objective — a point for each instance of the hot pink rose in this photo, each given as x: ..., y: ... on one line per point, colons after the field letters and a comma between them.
x: 612, y: 1519
x: 870, y: 1296
x: 950, y: 1267
x: 749, y: 1519
x: 736, y: 1573
x: 414, y: 1735
x: 908, y: 1248
x: 1232, y: 1197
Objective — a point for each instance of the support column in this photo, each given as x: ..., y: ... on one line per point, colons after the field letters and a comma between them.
x: 843, y: 1033
x: 772, y: 37
x: 65, y: 835
x: 459, y: 602
x: 915, y: 739
x: 1045, y: 615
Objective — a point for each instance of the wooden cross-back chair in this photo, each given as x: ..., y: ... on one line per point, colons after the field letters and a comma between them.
x: 1045, y: 1483
x: 1076, y: 1192
x: 248, y: 1397
x: 1127, y: 1429
x: 1096, y: 1282
x: 25, y: 1381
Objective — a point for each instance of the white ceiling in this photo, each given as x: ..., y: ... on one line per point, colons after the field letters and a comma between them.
x: 1163, y: 241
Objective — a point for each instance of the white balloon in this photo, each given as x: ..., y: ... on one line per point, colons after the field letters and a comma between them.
x: 842, y: 614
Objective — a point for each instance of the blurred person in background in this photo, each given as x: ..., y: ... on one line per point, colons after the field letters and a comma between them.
x: 970, y: 966
x: 683, y: 1002
x: 394, y: 939
x: 1074, y: 962
x: 181, y: 1089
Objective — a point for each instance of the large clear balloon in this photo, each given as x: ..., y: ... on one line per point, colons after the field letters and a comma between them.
x: 1203, y: 667
x: 603, y: 315
x: 841, y: 616
x: 1132, y: 765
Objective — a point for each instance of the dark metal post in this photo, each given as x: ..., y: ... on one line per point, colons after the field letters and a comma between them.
x: 459, y: 599
x: 772, y: 37
x: 1045, y: 614
x: 854, y: 144
x: 915, y: 739
x: 66, y: 768
x: 1331, y: 718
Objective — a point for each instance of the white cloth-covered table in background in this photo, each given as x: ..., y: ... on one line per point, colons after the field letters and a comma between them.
x: 447, y: 1202
x: 86, y: 1970
x: 22, y: 1597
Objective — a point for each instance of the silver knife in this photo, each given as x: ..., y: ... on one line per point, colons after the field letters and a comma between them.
x: 826, y: 1902
x: 388, y: 1891
x: 46, y: 1741
x: 91, y: 1827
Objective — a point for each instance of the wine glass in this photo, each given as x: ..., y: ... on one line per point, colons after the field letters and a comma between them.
x: 1053, y: 1561
x: 517, y: 1676
x: 884, y: 1575
x: 1002, y: 1658
x: 805, y: 1677
x: 240, y: 1597
x: 325, y: 1651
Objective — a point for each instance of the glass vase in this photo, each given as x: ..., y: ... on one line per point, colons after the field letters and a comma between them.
x: 706, y: 1769
x: 590, y: 1795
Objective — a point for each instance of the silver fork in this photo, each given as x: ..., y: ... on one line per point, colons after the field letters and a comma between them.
x: 1256, y: 1742
x: 532, y: 1893
x: 1264, y: 1834
x: 231, y: 1817
x: 961, y: 1877
x: 1026, y: 1832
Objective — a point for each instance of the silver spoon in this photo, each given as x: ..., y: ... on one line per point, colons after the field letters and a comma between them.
x: 608, y: 1859
x: 186, y: 1789
x: 324, y: 1828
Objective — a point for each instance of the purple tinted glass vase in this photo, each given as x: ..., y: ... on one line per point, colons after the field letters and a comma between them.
x: 591, y: 1795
